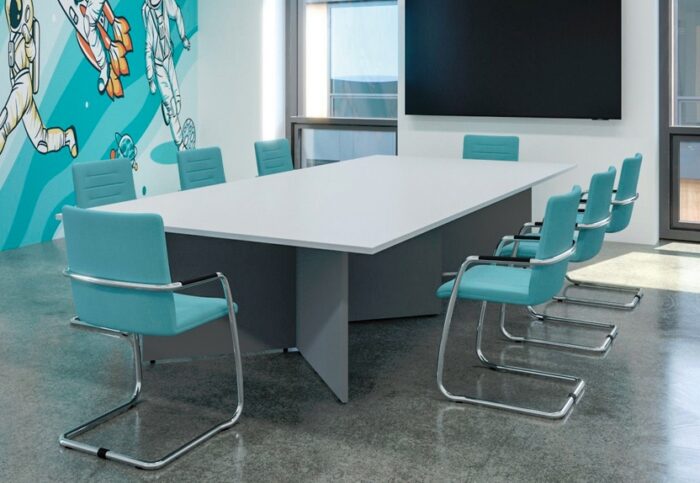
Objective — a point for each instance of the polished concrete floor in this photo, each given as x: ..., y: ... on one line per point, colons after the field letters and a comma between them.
x: 639, y: 419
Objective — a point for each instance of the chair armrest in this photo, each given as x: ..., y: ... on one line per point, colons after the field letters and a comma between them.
x: 529, y: 226
x: 491, y: 258
x: 474, y: 261
x: 145, y: 287
x: 515, y: 241
x: 204, y: 279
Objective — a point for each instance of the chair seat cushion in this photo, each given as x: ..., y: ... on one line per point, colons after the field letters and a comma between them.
x: 492, y: 283
x: 191, y: 311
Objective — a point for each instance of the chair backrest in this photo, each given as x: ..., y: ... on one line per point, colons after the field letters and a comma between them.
x: 626, y: 189
x: 491, y: 148
x: 556, y: 237
x: 589, y: 242
x: 100, y: 183
x: 200, y: 167
x: 123, y: 247
x: 273, y: 157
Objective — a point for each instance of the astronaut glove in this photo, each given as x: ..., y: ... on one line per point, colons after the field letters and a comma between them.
x: 186, y: 43
x: 152, y: 85
x: 26, y: 33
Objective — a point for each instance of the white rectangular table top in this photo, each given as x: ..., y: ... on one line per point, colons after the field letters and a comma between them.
x: 362, y: 206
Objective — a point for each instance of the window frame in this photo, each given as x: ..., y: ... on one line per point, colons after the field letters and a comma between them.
x: 670, y: 134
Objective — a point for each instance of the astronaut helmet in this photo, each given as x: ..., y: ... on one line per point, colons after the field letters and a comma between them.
x: 154, y: 3
x: 19, y: 13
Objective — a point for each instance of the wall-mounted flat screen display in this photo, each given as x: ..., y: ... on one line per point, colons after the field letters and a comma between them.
x: 514, y: 58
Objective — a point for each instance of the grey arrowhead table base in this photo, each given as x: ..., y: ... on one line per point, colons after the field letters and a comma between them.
x: 304, y: 298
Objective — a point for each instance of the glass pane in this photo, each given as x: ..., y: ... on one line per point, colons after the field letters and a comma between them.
x: 351, y: 59
x: 689, y: 182
x: 323, y: 146
x: 687, y: 58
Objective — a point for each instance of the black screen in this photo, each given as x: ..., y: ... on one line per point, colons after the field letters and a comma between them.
x: 514, y: 58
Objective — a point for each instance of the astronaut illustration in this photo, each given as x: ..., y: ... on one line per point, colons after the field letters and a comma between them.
x: 23, y: 57
x: 160, y: 66
x: 105, y: 50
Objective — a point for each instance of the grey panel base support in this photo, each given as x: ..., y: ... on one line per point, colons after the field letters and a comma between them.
x: 398, y: 282
x: 322, y: 315
x: 480, y: 232
x: 263, y: 284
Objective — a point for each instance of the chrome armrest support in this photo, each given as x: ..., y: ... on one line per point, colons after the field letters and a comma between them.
x: 535, y: 262
x: 592, y: 226
x: 625, y: 202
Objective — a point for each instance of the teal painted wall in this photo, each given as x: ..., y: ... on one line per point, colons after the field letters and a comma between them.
x: 35, y: 184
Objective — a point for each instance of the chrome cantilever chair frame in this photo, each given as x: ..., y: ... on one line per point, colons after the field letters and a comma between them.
x: 637, y: 291
x: 67, y: 441
x: 611, y: 329
x: 579, y: 384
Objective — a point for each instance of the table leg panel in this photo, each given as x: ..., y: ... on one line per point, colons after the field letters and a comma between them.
x: 322, y: 315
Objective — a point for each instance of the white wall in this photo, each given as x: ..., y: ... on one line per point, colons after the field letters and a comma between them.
x: 241, y: 79
x: 592, y: 145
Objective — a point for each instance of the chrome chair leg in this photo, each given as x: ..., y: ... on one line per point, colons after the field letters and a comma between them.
x: 67, y: 441
x: 572, y: 398
x: 637, y: 291
x: 599, y: 349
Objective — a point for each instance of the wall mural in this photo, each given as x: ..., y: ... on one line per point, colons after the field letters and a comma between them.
x: 90, y: 80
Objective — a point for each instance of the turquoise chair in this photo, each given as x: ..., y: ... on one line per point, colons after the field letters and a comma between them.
x: 517, y: 281
x: 491, y: 148
x: 624, y: 199
x: 100, y: 183
x: 121, y: 283
x: 273, y: 157
x: 592, y: 223
x: 200, y: 167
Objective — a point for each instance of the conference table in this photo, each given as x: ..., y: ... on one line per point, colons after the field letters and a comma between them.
x: 310, y: 250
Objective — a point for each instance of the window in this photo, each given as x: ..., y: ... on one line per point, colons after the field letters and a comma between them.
x: 686, y: 65
x: 350, y: 59
x: 346, y: 60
